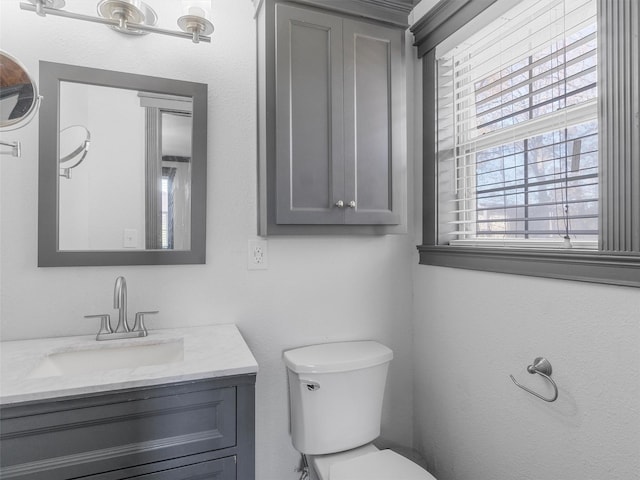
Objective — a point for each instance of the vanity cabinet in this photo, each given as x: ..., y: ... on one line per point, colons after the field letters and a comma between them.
x: 191, y: 430
x: 333, y: 127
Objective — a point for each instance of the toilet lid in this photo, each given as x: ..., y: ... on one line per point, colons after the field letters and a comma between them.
x: 381, y: 465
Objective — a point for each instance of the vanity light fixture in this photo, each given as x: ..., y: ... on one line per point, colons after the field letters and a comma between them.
x: 134, y: 17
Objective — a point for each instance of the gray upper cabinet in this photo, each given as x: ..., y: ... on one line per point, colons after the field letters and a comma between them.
x: 333, y: 127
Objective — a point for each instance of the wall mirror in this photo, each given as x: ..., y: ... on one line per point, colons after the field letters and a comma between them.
x: 122, y: 172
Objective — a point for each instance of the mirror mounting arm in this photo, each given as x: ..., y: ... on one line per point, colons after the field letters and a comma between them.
x: 15, y: 149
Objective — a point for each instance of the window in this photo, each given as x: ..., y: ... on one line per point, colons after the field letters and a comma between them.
x: 518, y: 130
x: 531, y: 138
x: 167, y: 207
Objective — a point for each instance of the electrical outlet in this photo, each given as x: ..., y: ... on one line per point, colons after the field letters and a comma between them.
x: 130, y: 238
x: 257, y: 258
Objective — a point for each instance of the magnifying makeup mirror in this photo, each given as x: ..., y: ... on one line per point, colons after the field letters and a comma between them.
x: 19, y: 98
x: 74, y: 146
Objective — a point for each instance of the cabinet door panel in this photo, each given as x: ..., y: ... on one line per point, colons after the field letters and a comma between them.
x: 309, y: 157
x: 221, y: 469
x: 372, y: 66
x: 77, y: 437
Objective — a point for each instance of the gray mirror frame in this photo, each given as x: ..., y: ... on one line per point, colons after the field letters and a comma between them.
x: 49, y: 255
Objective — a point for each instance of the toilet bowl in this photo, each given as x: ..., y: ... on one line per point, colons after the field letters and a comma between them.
x: 335, y: 397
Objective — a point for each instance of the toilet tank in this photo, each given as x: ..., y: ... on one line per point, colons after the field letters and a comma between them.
x: 335, y: 394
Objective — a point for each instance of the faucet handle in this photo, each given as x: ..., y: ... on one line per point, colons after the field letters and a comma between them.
x: 105, y: 324
x: 139, y: 325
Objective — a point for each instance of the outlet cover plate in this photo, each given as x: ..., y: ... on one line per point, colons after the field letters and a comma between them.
x: 257, y: 255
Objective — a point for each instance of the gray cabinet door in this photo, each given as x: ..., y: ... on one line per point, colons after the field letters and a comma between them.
x: 309, y: 133
x: 201, y: 429
x: 373, y: 112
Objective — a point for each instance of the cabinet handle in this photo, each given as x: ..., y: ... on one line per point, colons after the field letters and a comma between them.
x: 340, y: 204
x: 352, y: 204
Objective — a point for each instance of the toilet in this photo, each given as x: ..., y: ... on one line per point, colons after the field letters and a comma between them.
x: 335, y: 397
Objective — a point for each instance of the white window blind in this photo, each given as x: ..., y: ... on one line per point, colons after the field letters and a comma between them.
x: 517, y: 129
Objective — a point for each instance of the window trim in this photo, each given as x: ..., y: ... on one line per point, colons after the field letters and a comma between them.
x: 617, y: 262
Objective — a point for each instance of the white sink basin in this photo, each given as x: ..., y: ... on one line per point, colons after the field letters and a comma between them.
x: 103, y: 357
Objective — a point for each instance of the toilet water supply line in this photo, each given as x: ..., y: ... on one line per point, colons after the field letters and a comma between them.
x: 303, y: 468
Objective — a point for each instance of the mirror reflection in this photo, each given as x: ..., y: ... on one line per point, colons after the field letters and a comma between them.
x: 75, y: 141
x: 131, y: 190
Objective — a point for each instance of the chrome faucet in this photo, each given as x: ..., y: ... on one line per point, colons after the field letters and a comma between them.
x: 120, y: 302
x: 122, y: 329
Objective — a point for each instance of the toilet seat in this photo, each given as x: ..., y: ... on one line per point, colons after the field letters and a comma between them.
x: 379, y: 465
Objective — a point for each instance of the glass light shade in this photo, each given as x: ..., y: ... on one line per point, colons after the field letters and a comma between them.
x: 197, y: 8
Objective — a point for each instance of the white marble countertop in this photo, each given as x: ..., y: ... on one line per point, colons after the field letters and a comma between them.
x: 209, y: 352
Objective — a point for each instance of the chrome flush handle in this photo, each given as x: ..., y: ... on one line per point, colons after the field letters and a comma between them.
x: 311, y: 385
x: 340, y: 204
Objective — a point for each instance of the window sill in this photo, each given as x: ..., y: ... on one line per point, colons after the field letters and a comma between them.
x: 580, y: 265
